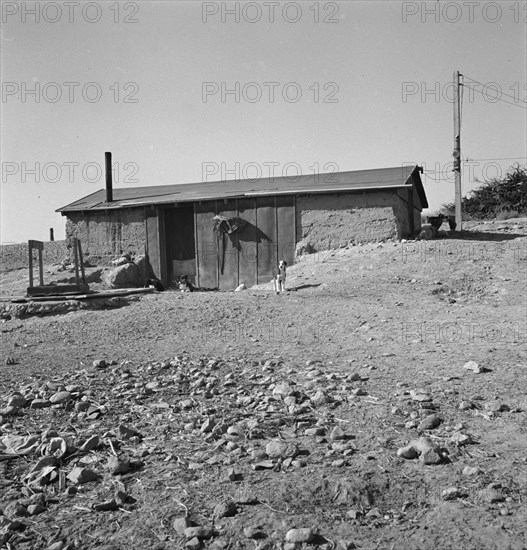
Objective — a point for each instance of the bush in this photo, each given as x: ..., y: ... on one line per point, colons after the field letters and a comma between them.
x: 495, y: 198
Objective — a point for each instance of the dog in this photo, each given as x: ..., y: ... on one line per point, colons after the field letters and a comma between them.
x: 280, y: 277
x: 185, y: 285
x: 154, y: 283
x: 437, y: 221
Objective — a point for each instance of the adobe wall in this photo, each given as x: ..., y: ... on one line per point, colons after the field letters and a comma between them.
x: 15, y: 255
x: 334, y: 220
x: 402, y: 213
x: 105, y: 235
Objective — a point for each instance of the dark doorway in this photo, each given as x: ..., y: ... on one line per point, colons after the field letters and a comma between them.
x: 180, y: 243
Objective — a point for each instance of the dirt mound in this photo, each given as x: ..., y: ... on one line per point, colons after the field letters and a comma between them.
x: 233, y: 420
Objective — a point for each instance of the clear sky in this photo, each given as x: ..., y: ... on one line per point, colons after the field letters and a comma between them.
x: 315, y: 86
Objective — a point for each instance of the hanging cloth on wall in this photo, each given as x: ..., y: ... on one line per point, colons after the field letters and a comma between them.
x: 225, y: 226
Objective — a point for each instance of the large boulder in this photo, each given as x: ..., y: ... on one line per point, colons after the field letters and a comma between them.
x: 145, y: 269
x: 124, y: 276
x: 304, y: 247
x: 123, y: 260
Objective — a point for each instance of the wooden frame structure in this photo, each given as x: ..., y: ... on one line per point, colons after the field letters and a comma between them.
x: 36, y: 245
x: 80, y: 285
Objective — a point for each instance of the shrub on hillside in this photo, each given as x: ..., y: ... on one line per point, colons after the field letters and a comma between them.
x: 496, y: 198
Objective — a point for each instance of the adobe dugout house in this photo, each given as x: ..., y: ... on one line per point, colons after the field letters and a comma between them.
x: 173, y: 225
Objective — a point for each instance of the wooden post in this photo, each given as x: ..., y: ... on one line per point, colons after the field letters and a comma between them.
x: 30, y: 249
x: 40, y: 267
x: 76, y: 259
x: 109, y: 183
x: 457, y: 149
x: 38, y: 245
x: 81, y: 262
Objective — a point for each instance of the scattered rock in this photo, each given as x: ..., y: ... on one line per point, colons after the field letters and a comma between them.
x: 282, y: 389
x: 491, y: 495
x: 181, y: 524
x: 496, y: 406
x: 128, y: 433
x: 9, y: 411
x: 35, y: 509
x: 58, y: 545
x: 281, y: 449
x: 430, y: 422
x: 263, y: 465
x: 200, y: 532
x: 337, y: 434
x: 90, y: 444
x: 474, y: 367
x: 122, y: 498
x: 80, y: 475
x: 461, y: 439
x: 60, y: 397
x: 420, y: 397
x: 450, y: 494
x: 106, y: 506
x: 207, y: 426
x: 344, y: 544
x: 253, y: 533
x: 17, y: 400
x: 424, y: 448
x: 299, y: 536
x: 117, y: 466
x: 225, y: 509
x: 319, y: 399
x: 313, y: 432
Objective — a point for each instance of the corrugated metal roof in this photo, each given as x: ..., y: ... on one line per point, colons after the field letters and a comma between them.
x: 360, y: 180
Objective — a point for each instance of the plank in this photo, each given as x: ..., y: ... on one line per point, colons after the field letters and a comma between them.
x: 152, y: 241
x: 285, y: 222
x: 228, y: 280
x: 266, y: 235
x: 247, y: 239
x: 207, y: 248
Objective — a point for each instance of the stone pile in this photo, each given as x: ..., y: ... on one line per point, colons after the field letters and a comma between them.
x: 86, y: 436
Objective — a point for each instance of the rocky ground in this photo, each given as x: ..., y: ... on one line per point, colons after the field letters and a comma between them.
x: 379, y: 404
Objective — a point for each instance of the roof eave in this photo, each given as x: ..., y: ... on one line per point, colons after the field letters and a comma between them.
x: 254, y: 194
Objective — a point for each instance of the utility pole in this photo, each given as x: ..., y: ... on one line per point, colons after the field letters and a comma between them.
x: 457, y: 148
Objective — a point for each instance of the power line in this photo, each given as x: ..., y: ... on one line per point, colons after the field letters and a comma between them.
x: 431, y: 173
x: 500, y: 99
x: 470, y: 159
x: 495, y: 98
x: 503, y: 158
x: 502, y: 93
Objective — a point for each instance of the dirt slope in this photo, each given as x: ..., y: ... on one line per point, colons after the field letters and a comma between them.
x: 291, y: 408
